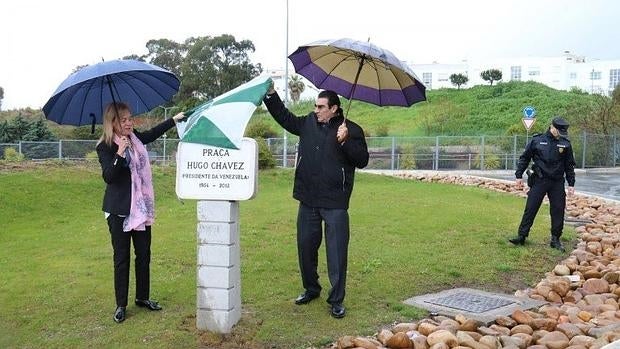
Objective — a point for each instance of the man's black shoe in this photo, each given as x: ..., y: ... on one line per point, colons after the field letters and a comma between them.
x: 555, y: 243
x: 151, y: 305
x: 338, y: 311
x: 519, y: 240
x: 119, y: 315
x: 305, y: 298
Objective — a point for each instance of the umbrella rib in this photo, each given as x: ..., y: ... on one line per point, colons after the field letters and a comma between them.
x: 132, y: 75
x: 88, y: 85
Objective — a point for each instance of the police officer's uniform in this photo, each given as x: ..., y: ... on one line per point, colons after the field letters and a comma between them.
x: 553, y: 159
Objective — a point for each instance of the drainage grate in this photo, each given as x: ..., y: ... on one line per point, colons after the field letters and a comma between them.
x: 470, y: 302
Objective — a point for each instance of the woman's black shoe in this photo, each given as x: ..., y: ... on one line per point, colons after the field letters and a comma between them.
x: 151, y: 305
x: 119, y: 315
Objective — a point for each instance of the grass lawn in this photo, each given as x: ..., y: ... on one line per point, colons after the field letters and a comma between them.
x: 407, y: 238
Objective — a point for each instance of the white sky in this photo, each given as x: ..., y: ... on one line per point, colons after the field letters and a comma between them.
x: 42, y: 41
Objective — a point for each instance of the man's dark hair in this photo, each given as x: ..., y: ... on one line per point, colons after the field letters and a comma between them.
x: 332, y: 97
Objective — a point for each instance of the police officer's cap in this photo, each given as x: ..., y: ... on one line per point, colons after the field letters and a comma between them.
x: 561, y: 125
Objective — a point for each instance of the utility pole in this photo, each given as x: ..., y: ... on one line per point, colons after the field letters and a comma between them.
x: 284, y: 150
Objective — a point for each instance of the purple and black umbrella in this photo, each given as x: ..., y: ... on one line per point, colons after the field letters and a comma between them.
x: 358, y: 70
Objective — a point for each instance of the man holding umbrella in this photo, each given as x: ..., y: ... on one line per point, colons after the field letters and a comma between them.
x: 330, y: 149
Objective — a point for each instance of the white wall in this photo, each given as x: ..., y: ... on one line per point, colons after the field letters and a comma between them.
x: 561, y: 72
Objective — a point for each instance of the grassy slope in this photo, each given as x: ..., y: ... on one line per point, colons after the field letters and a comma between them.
x: 490, y: 110
x: 407, y: 238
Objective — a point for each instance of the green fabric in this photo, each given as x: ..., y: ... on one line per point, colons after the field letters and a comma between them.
x: 200, y: 129
x: 206, y: 132
x: 254, y: 95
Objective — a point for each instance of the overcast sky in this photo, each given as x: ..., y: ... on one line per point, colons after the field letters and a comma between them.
x: 42, y: 41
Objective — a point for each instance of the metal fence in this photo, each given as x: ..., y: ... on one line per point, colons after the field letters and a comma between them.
x: 388, y: 153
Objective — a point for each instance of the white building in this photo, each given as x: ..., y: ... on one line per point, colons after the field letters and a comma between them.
x: 562, y: 72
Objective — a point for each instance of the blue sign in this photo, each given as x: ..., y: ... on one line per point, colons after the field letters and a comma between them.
x: 529, y: 112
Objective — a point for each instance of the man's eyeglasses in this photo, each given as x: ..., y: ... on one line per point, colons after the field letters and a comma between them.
x: 320, y: 106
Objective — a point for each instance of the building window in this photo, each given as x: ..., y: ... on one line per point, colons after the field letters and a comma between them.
x: 443, y: 77
x: 595, y: 75
x: 515, y: 73
x: 614, y: 78
x: 427, y: 79
x: 534, y: 73
x: 572, y: 75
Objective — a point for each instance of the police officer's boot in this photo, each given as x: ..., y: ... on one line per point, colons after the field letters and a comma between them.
x: 555, y: 243
x: 519, y: 240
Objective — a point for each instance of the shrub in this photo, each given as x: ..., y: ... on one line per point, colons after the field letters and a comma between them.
x: 10, y: 154
x: 407, y: 158
x: 265, y: 158
x: 260, y: 129
x: 91, y: 156
x: 382, y: 130
x: 491, y: 162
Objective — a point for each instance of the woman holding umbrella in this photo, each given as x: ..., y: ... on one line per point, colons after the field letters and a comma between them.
x: 129, y: 201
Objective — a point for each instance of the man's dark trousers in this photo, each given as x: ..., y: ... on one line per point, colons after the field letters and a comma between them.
x: 309, y: 236
x: 554, y: 189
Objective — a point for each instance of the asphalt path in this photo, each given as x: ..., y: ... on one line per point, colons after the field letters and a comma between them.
x: 600, y: 182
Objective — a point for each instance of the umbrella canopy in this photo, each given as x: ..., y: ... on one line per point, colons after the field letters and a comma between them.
x: 82, y: 97
x: 221, y: 121
x: 358, y: 70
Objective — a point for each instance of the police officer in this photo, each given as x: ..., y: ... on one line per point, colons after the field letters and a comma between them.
x: 553, y: 159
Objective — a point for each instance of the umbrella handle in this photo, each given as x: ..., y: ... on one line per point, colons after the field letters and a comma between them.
x: 92, y: 127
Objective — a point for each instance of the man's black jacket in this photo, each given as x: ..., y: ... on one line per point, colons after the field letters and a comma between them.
x: 325, y: 169
x: 552, y: 158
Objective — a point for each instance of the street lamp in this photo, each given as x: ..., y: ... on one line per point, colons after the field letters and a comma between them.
x: 165, y: 135
x: 166, y: 110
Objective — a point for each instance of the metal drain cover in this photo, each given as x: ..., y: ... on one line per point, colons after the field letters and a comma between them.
x: 479, y: 305
x: 470, y: 302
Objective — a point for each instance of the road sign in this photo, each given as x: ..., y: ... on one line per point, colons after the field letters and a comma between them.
x: 529, y: 112
x: 528, y: 122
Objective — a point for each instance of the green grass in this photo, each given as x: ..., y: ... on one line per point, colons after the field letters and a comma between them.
x: 480, y: 110
x: 407, y: 238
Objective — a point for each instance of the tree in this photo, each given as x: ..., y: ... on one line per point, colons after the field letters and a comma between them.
x: 600, y: 117
x: 296, y: 87
x: 166, y: 53
x: 38, y: 131
x: 18, y: 127
x: 5, y: 136
x: 79, y: 67
x: 491, y: 75
x: 458, y: 80
x: 214, y: 65
x: 134, y: 57
x: 1, y: 96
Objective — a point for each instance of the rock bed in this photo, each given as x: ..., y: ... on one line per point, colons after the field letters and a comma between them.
x: 582, y: 293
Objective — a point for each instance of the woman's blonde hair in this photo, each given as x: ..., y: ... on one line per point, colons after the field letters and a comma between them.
x: 111, y: 117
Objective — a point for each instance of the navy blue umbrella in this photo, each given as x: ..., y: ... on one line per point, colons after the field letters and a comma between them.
x: 82, y: 97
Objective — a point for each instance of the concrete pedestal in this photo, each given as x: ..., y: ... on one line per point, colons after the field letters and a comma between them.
x: 218, y: 296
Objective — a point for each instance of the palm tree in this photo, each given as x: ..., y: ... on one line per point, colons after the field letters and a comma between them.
x: 296, y: 87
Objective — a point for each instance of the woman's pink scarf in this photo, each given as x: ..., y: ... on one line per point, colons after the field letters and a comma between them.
x: 142, y: 209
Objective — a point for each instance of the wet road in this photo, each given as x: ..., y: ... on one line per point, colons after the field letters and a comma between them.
x: 601, y: 182
x: 598, y: 182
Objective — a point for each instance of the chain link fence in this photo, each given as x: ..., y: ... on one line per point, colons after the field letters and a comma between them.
x: 386, y: 153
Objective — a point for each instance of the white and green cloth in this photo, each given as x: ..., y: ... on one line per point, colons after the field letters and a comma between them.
x: 221, y: 121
